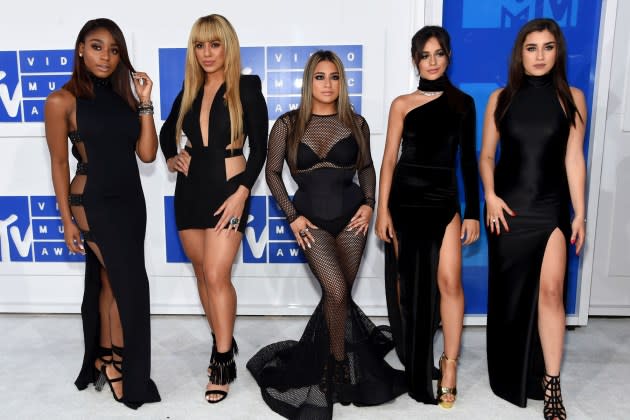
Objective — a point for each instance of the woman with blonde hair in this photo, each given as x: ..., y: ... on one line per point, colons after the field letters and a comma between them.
x: 217, y: 109
x: 340, y: 355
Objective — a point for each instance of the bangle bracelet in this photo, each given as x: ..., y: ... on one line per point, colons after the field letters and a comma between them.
x: 146, y: 103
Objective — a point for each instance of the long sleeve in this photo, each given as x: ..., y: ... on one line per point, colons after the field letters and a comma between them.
x: 167, y: 133
x: 468, y: 160
x: 276, y: 154
x: 256, y: 125
x: 367, y: 174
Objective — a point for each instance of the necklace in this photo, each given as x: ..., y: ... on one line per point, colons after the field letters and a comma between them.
x: 428, y: 93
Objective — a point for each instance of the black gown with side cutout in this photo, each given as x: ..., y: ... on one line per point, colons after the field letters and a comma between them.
x: 530, y: 177
x: 114, y: 205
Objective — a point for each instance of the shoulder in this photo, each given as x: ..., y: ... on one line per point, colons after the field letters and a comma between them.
x: 359, y: 120
x: 60, y: 98
x: 250, y: 82
x: 401, y: 104
x: 288, y: 118
x: 493, y: 98
x: 578, y: 95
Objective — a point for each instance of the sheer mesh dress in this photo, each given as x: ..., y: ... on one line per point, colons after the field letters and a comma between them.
x: 339, y: 357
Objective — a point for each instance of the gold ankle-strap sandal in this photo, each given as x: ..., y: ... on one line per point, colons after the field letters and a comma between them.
x: 443, y: 391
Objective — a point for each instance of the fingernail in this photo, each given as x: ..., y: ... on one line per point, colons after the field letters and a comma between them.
x: 572, y: 241
x: 309, y: 245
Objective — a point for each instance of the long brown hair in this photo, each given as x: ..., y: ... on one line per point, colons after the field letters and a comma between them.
x: 80, y: 84
x: 345, y: 114
x: 516, y: 73
x: 214, y: 28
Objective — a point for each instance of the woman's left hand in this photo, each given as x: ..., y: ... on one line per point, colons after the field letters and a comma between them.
x: 361, y: 220
x: 143, y: 85
x: 470, y: 231
x: 231, y: 210
x: 578, y: 231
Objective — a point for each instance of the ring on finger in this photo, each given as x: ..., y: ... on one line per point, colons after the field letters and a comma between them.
x: 303, y: 233
x: 493, y: 220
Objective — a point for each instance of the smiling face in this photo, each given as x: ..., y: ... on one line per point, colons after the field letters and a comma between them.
x: 539, y: 53
x: 433, y: 60
x: 100, y: 52
x: 210, y: 55
x: 325, y: 88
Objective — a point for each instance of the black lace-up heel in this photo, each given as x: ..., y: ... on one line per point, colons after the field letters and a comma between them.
x: 553, y: 407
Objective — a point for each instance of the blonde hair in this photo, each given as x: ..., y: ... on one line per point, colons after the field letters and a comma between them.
x: 214, y: 28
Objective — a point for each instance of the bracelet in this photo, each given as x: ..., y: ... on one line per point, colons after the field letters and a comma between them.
x: 144, y: 104
x: 145, y: 108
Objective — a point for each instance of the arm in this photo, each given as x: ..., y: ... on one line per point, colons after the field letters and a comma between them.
x: 576, y: 170
x: 384, y: 224
x: 174, y: 161
x: 490, y: 138
x: 56, y: 114
x: 146, y: 146
x: 468, y: 160
x: 367, y: 182
x: 256, y: 126
x: 276, y: 153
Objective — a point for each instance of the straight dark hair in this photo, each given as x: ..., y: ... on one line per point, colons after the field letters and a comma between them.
x: 419, y: 40
x: 80, y: 84
x: 345, y: 114
x: 516, y: 73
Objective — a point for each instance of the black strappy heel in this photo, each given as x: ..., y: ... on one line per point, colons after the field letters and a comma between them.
x: 553, y: 407
x: 117, y: 365
x: 99, y: 377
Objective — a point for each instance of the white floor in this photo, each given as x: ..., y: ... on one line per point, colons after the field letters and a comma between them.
x: 40, y: 356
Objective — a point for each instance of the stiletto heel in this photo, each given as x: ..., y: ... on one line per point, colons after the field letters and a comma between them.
x: 117, y: 365
x: 443, y: 390
x: 221, y: 371
x: 553, y: 407
x: 99, y: 377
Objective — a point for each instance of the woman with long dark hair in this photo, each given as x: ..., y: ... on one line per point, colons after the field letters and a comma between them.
x: 540, y: 174
x: 419, y: 216
x: 103, y: 209
x: 340, y: 355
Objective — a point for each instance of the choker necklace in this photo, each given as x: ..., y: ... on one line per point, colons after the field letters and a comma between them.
x: 426, y: 93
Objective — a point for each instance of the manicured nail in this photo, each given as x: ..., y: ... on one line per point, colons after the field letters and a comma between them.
x: 572, y: 241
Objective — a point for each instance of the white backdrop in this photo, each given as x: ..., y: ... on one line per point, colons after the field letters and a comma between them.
x: 382, y: 29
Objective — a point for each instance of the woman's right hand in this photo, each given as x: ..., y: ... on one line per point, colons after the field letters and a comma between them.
x: 495, y: 216
x: 384, y: 226
x: 179, y: 162
x: 72, y: 237
x: 301, y: 230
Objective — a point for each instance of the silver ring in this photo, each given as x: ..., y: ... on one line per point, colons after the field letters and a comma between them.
x: 234, y: 221
x: 493, y: 220
x: 303, y: 233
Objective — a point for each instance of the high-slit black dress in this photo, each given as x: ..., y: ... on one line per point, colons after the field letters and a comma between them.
x: 339, y: 357
x: 423, y: 200
x: 113, y: 204
x: 531, y: 178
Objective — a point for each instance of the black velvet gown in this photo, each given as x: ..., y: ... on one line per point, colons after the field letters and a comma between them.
x: 530, y: 177
x: 113, y: 203
x: 423, y: 201
x: 340, y: 356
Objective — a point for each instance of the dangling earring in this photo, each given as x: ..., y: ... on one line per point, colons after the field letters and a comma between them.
x: 80, y: 55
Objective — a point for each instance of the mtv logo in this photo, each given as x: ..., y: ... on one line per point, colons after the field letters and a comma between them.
x: 16, y: 234
x: 487, y: 14
x: 35, y: 73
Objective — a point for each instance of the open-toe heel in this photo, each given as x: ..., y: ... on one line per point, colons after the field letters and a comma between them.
x: 117, y: 365
x: 100, y: 379
x: 221, y: 371
x: 553, y: 408
x: 443, y: 391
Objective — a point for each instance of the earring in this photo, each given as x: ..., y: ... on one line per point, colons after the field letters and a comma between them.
x: 80, y: 55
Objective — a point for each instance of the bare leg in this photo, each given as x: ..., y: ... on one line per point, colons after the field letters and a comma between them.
x: 105, y: 300
x: 219, y: 252
x: 451, y: 300
x: 193, y: 241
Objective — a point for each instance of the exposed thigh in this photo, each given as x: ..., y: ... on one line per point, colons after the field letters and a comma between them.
x: 323, y: 259
x: 193, y: 243
x: 450, y: 264
x: 350, y: 247
x: 220, y: 249
x: 552, y: 270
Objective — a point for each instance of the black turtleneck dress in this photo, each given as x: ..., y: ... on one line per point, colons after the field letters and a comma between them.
x: 423, y: 200
x: 113, y: 203
x: 530, y: 177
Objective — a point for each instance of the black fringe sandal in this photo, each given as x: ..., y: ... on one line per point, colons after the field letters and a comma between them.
x: 221, y: 371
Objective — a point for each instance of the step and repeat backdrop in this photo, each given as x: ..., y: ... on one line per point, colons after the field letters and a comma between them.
x: 37, y: 274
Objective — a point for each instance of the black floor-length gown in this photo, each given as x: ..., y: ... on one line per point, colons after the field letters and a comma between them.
x: 530, y: 177
x: 340, y: 356
x: 113, y: 203
x: 423, y: 201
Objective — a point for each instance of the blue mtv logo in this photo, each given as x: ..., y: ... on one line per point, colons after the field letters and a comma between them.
x: 26, y: 78
x: 486, y: 14
x: 31, y: 230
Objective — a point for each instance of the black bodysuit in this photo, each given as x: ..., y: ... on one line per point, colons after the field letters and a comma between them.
x: 531, y: 178
x: 108, y: 205
x: 340, y: 355
x: 423, y: 200
x: 201, y: 193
